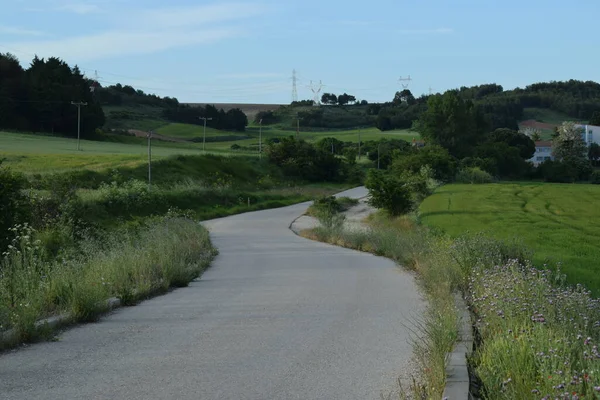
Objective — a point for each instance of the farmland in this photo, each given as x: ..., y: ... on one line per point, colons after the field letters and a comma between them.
x: 556, y: 221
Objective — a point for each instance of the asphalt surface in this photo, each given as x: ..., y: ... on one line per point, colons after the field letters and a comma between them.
x: 276, y: 317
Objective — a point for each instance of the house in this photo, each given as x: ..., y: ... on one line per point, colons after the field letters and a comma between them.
x: 591, y: 134
x: 543, y: 152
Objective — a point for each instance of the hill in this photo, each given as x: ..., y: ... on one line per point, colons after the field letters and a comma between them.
x: 249, y: 109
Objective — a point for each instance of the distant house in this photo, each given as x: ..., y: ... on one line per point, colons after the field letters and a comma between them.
x: 543, y: 152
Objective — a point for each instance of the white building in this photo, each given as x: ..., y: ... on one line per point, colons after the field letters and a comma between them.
x: 543, y: 152
x: 591, y: 133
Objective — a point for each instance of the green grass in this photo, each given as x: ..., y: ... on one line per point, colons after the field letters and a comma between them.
x: 31, y: 153
x: 189, y: 131
x: 545, y: 115
x: 168, y: 252
x: 557, y: 221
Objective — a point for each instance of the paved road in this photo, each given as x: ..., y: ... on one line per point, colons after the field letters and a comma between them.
x: 276, y: 317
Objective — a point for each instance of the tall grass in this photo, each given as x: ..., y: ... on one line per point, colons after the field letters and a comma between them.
x: 167, y: 252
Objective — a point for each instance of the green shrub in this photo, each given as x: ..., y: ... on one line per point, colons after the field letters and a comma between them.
x: 474, y: 175
x: 595, y: 177
x: 389, y: 192
x: 13, y: 205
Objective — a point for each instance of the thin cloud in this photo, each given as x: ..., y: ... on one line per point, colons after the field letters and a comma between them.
x: 438, y: 31
x: 118, y: 43
x: 80, y: 8
x: 144, y: 31
x: 11, y: 30
x: 198, y: 15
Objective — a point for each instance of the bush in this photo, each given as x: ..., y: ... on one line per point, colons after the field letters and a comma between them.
x: 389, y: 192
x: 13, y: 205
x: 595, y: 177
x: 473, y: 175
x: 558, y: 171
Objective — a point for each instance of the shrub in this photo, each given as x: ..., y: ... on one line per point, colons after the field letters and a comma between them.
x: 473, y: 175
x: 595, y: 177
x: 389, y: 192
x: 13, y: 205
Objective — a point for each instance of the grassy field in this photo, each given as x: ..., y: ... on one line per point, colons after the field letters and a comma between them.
x: 189, y: 131
x: 38, y: 154
x: 557, y: 221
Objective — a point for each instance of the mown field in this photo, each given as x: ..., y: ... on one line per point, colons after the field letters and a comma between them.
x: 559, y: 222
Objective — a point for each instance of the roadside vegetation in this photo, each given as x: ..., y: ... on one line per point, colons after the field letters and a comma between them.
x: 535, y: 328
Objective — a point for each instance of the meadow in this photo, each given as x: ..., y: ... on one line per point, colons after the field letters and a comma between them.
x: 556, y: 221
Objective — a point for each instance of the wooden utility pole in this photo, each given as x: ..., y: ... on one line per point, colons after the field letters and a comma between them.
x: 78, y: 104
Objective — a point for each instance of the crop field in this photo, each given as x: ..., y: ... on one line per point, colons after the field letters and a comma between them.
x: 559, y: 222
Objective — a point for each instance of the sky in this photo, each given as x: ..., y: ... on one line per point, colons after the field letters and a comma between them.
x: 245, y: 51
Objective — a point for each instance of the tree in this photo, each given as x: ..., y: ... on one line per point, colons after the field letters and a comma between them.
x: 569, y: 148
x: 436, y: 157
x: 405, y: 96
x: 388, y: 192
x: 595, y: 120
x: 345, y: 98
x: 330, y: 145
x: 452, y: 123
x: 594, y: 153
x: 516, y: 139
x: 329, y: 98
x: 267, y: 117
x: 508, y: 161
x: 300, y: 159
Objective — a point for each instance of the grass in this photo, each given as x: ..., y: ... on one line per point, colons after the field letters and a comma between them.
x: 31, y: 153
x: 189, y: 131
x: 165, y: 252
x: 555, y: 220
x: 545, y: 115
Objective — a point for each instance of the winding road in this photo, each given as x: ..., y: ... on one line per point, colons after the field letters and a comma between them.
x: 276, y: 317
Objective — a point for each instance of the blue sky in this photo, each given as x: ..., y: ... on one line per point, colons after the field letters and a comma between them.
x: 245, y: 51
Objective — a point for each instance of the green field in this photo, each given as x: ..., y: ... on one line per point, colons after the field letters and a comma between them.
x: 38, y: 154
x: 559, y: 222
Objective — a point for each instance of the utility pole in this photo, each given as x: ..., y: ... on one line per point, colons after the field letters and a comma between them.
x: 78, y: 104
x: 332, y: 147
x: 149, y: 160
x: 260, y: 139
x: 378, y: 146
x: 204, y: 136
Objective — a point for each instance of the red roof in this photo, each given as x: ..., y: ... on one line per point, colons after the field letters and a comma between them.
x: 543, y: 143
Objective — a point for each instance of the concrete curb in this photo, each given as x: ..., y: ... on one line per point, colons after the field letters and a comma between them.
x: 457, y: 371
x: 53, y: 323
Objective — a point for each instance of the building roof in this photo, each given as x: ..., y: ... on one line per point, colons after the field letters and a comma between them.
x: 543, y: 143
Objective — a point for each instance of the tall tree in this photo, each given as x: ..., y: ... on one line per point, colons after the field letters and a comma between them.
x: 453, y: 123
x: 595, y: 120
x: 570, y: 148
x: 594, y: 153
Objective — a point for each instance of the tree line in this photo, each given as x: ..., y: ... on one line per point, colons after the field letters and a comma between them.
x: 38, y: 98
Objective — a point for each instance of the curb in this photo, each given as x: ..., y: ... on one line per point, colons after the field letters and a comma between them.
x: 457, y: 371
x: 53, y: 323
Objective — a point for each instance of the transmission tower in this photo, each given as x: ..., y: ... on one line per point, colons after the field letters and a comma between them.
x: 430, y: 90
x: 95, y: 82
x: 402, y: 80
x: 294, y: 87
x: 316, y: 92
